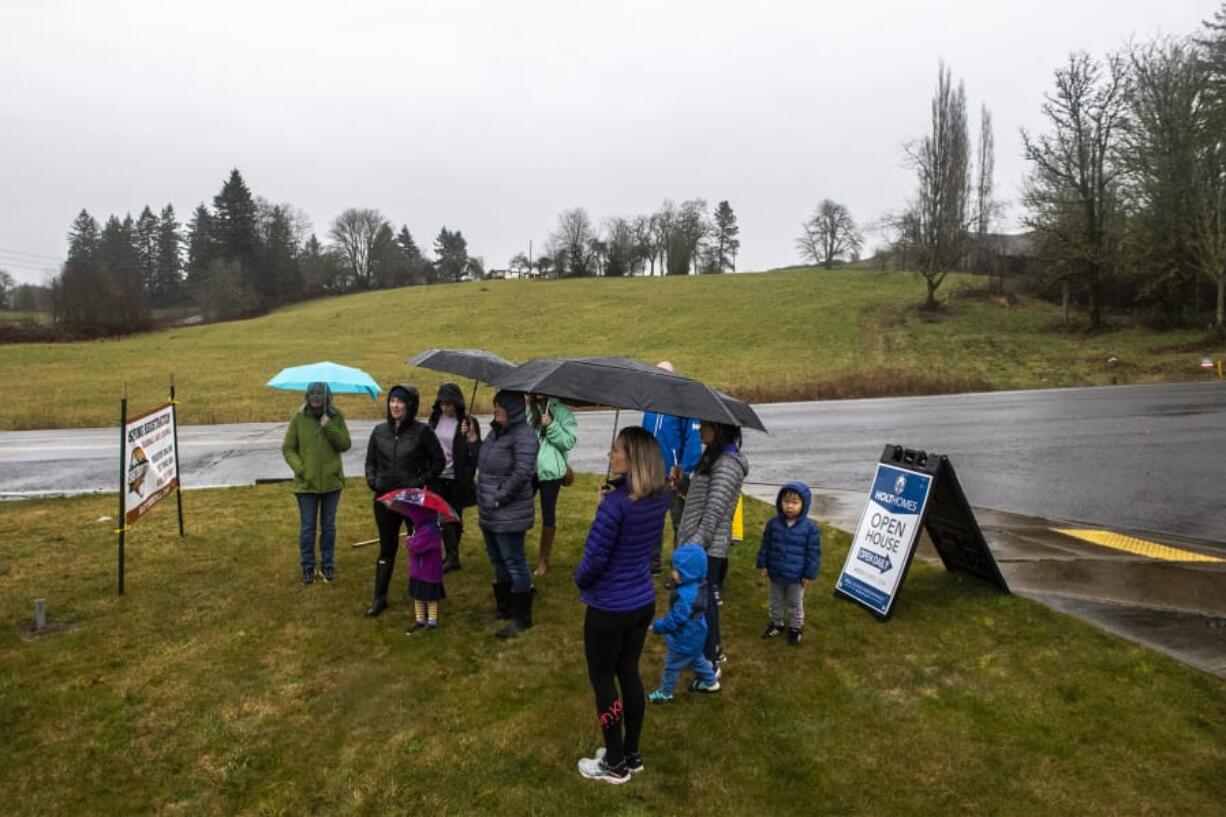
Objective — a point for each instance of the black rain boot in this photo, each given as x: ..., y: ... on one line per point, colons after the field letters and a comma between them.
x: 451, y: 545
x: 502, y: 600
x: 521, y: 606
x: 383, y: 577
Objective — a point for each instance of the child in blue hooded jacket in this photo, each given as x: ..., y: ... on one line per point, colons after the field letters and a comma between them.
x: 790, y: 555
x: 686, y: 625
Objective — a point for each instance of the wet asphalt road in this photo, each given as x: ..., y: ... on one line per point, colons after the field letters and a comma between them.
x: 1136, y: 458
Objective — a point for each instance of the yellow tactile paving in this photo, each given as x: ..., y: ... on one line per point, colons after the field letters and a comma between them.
x: 1131, y: 544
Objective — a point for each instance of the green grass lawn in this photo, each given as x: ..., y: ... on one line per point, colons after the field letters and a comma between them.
x: 220, y: 685
x: 778, y: 336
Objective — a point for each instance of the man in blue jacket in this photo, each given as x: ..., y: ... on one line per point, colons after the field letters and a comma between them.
x: 681, y: 448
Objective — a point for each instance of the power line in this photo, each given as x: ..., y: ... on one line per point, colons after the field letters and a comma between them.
x: 35, y: 255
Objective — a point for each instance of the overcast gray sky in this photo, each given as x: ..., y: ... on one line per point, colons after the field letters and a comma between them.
x: 493, y: 117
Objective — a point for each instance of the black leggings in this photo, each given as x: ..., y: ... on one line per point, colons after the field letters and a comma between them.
x: 549, y: 488
x: 389, y: 523
x: 613, y: 643
x: 717, y: 569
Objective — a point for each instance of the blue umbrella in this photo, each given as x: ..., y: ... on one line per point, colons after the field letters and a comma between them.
x: 341, y: 379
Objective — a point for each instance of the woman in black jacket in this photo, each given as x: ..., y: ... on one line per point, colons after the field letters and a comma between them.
x: 506, y: 463
x: 402, y: 453
x: 449, y: 419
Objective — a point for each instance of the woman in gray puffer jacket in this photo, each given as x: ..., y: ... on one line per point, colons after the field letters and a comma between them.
x: 506, y: 462
x: 707, y: 521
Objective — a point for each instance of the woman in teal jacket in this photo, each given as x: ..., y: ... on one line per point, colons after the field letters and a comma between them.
x: 556, y: 431
x: 314, y: 442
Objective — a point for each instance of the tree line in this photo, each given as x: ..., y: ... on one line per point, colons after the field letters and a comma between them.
x: 241, y: 257
x: 674, y: 240
x: 1124, y: 201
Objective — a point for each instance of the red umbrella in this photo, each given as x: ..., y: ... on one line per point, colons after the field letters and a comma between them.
x: 422, y: 506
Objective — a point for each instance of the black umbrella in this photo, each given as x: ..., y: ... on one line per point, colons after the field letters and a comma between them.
x: 623, y: 383
x: 478, y: 364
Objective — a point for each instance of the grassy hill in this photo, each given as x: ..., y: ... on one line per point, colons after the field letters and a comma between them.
x: 797, y: 334
x: 220, y: 685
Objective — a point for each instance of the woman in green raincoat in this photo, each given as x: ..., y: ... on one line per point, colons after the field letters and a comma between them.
x: 314, y: 442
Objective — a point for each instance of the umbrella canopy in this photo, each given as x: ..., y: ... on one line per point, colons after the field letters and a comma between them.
x: 420, y: 505
x: 475, y: 363
x: 341, y: 379
x: 624, y: 383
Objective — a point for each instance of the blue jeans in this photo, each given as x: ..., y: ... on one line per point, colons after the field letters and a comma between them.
x: 323, y: 506
x: 506, y: 552
x: 674, y: 663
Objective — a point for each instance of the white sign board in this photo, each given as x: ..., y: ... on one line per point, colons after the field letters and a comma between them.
x: 150, y: 471
x: 886, y: 538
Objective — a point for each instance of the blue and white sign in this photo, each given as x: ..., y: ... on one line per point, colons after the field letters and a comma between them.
x: 886, y: 537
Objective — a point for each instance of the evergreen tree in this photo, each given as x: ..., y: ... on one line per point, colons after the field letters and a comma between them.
x: 388, y: 264
x: 452, y: 251
x: 169, y: 274
x: 201, y: 248
x: 145, y: 241
x: 235, y: 227
x: 418, y: 267
x: 725, y: 242
x: 320, y: 271
x: 83, y: 237
x: 280, y: 277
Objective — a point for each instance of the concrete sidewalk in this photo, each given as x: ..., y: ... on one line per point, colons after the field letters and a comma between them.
x: 1175, y: 607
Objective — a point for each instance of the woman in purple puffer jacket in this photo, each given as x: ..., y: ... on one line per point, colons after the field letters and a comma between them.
x: 614, y: 579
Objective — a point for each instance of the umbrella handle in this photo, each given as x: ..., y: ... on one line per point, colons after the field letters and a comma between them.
x: 472, y: 401
x: 608, y: 471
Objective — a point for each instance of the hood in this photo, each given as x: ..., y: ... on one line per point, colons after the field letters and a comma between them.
x: 806, y: 498
x: 448, y: 393
x: 513, y: 402
x: 690, y: 562
x: 738, y: 456
x: 328, y: 407
x: 413, y: 400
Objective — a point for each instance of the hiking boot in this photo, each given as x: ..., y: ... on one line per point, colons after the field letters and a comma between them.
x: 793, y: 636
x: 599, y: 770
x: 772, y: 630
x: 308, y: 575
x: 658, y: 697
x: 699, y: 686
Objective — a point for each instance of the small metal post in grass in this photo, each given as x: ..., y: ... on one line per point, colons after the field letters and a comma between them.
x: 40, y: 615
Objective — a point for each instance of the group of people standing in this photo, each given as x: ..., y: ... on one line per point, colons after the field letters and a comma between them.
x: 674, y: 466
x: 523, y: 455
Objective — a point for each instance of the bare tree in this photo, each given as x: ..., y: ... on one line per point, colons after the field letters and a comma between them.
x: 942, y: 164
x: 355, y: 232
x: 573, y: 237
x: 828, y: 234
x: 1072, y: 195
x: 689, y: 228
x: 621, y: 247
x: 985, y: 207
x: 663, y: 222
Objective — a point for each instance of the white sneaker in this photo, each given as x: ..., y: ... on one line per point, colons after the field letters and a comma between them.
x: 594, y: 769
x: 634, y: 763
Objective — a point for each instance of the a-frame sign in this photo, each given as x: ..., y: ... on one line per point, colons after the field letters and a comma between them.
x: 912, y: 490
